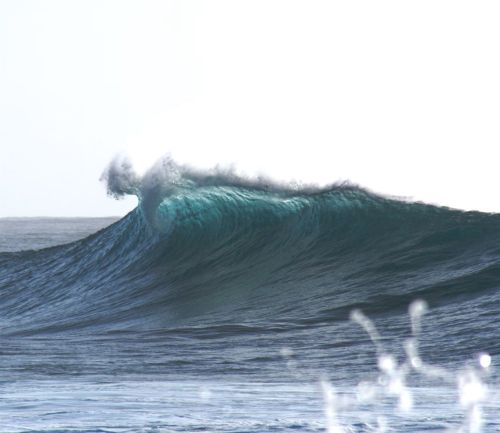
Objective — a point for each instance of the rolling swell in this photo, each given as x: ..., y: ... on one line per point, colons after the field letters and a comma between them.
x: 217, y: 251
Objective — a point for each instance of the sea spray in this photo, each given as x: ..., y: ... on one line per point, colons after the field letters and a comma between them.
x: 472, y: 389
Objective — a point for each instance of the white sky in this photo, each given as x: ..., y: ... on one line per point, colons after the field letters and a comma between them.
x: 400, y: 96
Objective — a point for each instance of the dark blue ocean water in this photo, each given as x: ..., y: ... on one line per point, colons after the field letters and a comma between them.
x: 225, y: 305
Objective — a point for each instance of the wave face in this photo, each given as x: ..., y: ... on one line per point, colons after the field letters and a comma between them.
x: 217, y: 250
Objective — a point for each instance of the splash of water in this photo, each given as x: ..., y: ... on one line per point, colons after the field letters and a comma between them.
x: 470, y: 382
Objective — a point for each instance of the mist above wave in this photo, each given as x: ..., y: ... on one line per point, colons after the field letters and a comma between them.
x: 167, y: 176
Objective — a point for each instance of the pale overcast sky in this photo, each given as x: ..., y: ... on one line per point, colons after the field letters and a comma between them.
x: 400, y: 96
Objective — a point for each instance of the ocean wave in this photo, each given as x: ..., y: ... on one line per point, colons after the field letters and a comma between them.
x: 211, y: 248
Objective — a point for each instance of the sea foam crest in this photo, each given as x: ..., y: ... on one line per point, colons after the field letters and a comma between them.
x: 167, y: 178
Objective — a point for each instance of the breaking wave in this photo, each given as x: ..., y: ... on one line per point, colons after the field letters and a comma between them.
x: 212, y: 249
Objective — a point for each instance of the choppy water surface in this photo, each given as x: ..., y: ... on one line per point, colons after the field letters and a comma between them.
x: 226, y: 305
